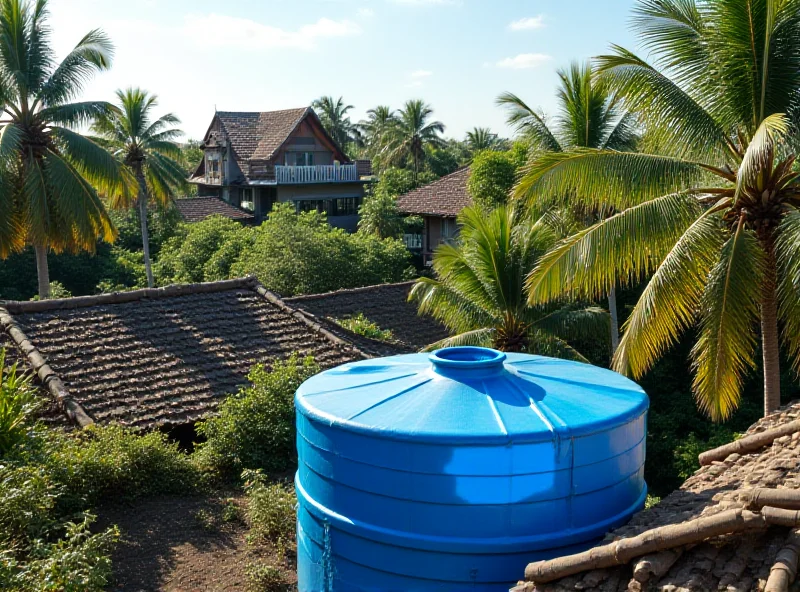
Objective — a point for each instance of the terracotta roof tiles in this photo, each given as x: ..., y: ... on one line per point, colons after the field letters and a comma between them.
x: 444, y: 197
x: 259, y: 134
x: 195, y: 209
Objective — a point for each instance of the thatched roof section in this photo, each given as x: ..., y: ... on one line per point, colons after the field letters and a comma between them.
x: 161, y: 356
x: 385, y: 304
x: 734, y: 562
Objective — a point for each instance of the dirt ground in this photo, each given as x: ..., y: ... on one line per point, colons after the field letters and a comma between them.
x: 185, y: 544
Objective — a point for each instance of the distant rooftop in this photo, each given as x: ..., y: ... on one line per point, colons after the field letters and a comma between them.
x: 195, y: 209
x: 444, y: 197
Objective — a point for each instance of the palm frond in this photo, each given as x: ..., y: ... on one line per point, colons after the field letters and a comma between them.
x: 760, y: 154
x: 94, y: 162
x: 527, y: 121
x: 75, y: 114
x: 479, y: 337
x: 787, y: 251
x: 11, y: 136
x: 670, y: 301
x: 622, y: 248
x: 457, y: 311
x: 727, y: 342
x: 546, y: 344
x: 575, y: 323
x: 12, y: 227
x: 674, y: 116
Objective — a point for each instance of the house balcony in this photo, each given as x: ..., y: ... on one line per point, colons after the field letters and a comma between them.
x: 301, y: 175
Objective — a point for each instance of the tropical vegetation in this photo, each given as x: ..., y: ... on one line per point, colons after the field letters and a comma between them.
x: 714, y: 221
x: 146, y: 147
x: 333, y: 115
x: 478, y: 289
x: 590, y: 116
x: 50, y: 175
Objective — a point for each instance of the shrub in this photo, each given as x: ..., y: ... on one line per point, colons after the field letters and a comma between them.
x: 491, y: 178
x: 302, y: 254
x: 28, y: 498
x: 266, y: 578
x: 379, y: 216
x: 112, y: 462
x: 255, y: 429
x: 18, y: 403
x: 361, y: 325
x: 271, y: 511
x: 77, y: 562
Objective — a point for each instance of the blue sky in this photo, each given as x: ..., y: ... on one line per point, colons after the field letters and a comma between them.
x: 240, y: 55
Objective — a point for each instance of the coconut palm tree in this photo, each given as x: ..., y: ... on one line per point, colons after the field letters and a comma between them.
x: 481, y: 138
x: 374, y: 128
x: 333, y: 114
x: 50, y: 174
x: 478, y: 292
x: 590, y: 117
x: 716, y: 222
x: 412, y: 133
x: 147, y: 148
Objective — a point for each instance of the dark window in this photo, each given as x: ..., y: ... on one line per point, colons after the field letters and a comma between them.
x: 342, y: 206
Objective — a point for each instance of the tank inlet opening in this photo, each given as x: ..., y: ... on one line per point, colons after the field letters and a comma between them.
x: 467, y: 357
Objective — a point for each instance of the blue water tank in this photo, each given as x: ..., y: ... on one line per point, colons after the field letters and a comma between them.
x: 451, y: 471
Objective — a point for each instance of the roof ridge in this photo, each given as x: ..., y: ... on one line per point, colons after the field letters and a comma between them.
x: 302, y: 297
x: 170, y: 291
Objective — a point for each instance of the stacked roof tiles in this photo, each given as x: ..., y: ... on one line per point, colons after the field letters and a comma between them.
x: 734, y: 563
x: 196, y: 209
x: 445, y: 197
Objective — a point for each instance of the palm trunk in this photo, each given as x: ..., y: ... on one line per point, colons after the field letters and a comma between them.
x: 142, y: 203
x: 42, y: 271
x: 612, y: 309
x: 769, y: 334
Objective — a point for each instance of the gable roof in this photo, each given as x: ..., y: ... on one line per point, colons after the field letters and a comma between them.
x: 161, y: 356
x: 386, y: 305
x: 195, y: 209
x: 444, y: 197
x: 731, y: 562
x: 258, y: 135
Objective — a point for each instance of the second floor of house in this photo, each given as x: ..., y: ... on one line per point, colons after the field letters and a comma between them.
x: 289, y: 147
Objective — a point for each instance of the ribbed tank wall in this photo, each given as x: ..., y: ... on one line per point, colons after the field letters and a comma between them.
x: 433, y: 476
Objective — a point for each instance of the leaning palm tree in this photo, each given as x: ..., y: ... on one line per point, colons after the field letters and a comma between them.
x: 590, y: 117
x: 333, y: 114
x: 716, y: 222
x: 50, y: 174
x: 481, y: 138
x: 147, y: 148
x: 411, y: 134
x: 479, y: 295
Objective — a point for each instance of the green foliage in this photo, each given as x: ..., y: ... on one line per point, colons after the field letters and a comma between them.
x: 271, y: 510
x: 266, y: 578
x: 442, y: 161
x: 79, y: 561
x: 379, y: 216
x: 302, y: 254
x: 395, y: 181
x: 255, y: 429
x: 651, y: 501
x: 361, y: 325
x: 184, y: 257
x: 28, y: 498
x: 491, y: 178
x: 18, y: 403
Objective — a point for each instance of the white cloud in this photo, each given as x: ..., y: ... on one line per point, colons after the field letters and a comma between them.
x: 526, y: 24
x: 366, y: 12
x: 524, y: 61
x: 228, y: 31
x: 417, y: 76
x: 421, y: 74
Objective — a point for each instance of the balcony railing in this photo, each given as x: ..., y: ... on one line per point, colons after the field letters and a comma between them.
x: 333, y: 173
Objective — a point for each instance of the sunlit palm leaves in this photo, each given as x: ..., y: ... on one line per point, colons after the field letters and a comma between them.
x: 411, y: 134
x: 478, y: 291
x: 333, y: 114
x: 49, y: 174
x: 722, y: 99
x: 146, y: 148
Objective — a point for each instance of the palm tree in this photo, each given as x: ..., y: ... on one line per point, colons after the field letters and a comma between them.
x: 333, y: 114
x: 412, y: 133
x: 481, y: 138
x: 716, y: 222
x: 49, y: 173
x: 147, y: 149
x: 590, y: 117
x: 479, y: 289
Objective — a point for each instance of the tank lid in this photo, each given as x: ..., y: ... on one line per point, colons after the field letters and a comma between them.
x: 471, y: 394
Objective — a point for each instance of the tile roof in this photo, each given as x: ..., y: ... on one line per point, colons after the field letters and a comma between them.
x: 733, y: 562
x: 166, y: 355
x: 386, y: 305
x: 259, y: 134
x: 444, y: 197
x: 195, y: 209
